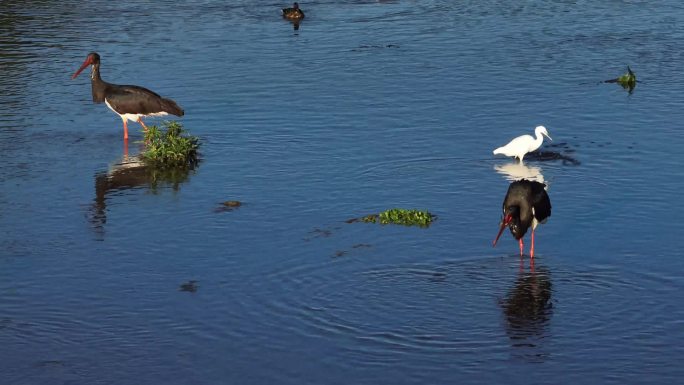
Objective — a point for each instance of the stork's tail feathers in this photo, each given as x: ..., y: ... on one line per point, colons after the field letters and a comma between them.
x: 171, y: 107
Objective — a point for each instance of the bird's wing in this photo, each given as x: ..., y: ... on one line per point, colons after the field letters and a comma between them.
x: 519, y: 141
x: 137, y: 90
x: 134, y: 100
x: 540, y: 202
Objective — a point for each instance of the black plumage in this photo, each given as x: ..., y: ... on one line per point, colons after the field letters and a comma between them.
x: 128, y: 101
x: 526, y: 205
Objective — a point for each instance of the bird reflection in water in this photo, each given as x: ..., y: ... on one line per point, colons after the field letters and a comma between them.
x: 514, y: 171
x: 528, y: 309
x: 131, y: 173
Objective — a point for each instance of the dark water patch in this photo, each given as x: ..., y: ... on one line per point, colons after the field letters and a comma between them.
x: 365, y: 47
x: 50, y: 363
x: 189, y: 286
x: 561, y: 151
x: 361, y: 245
x: 355, y: 250
x: 15, y: 248
x: 321, y: 232
x: 5, y: 323
x: 544, y: 156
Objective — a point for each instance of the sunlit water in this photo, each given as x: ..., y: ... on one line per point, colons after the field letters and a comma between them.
x: 368, y: 106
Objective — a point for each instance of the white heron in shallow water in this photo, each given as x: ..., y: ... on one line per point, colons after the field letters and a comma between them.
x: 523, y: 144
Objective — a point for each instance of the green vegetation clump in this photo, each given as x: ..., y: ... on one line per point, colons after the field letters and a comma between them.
x: 170, y: 148
x: 401, y: 217
x: 628, y: 80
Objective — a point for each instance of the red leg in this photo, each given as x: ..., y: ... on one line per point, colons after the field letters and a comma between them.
x: 125, y: 128
x: 142, y: 124
x: 125, y: 149
x: 532, y: 247
x: 521, y: 246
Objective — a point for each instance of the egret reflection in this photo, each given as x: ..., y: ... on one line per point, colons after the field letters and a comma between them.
x: 514, y: 171
x: 528, y: 309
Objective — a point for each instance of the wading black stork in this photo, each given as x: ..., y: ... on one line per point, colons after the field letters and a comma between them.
x: 526, y: 204
x: 129, y: 102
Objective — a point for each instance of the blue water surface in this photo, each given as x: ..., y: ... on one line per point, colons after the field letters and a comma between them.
x: 110, y: 277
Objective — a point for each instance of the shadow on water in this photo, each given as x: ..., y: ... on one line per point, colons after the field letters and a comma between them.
x: 131, y: 173
x: 557, y: 151
x: 527, y: 309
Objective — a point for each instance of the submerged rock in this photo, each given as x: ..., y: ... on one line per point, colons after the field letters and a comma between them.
x: 228, y: 206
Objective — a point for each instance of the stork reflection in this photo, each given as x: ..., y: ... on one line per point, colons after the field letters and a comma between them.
x: 528, y: 309
x: 129, y: 173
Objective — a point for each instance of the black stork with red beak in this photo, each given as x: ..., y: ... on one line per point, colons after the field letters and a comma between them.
x: 526, y: 204
x: 129, y: 102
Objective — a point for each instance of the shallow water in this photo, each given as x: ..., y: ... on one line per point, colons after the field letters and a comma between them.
x: 368, y: 106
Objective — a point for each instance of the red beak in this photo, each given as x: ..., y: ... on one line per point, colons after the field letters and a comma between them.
x: 503, y: 225
x: 86, y: 63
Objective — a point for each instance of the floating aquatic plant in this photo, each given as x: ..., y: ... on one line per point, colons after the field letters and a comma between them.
x: 171, y: 147
x: 401, y: 217
x: 628, y: 80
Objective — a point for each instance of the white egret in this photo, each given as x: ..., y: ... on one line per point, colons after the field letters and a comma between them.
x: 523, y: 144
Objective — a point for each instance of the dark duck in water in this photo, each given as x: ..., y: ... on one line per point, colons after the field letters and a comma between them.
x: 526, y: 204
x: 129, y: 102
x: 293, y: 13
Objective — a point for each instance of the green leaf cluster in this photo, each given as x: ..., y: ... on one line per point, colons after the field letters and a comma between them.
x: 628, y: 80
x: 171, y: 147
x: 401, y: 217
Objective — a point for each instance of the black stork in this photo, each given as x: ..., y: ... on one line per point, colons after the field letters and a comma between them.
x: 129, y: 102
x: 293, y: 13
x: 526, y: 204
